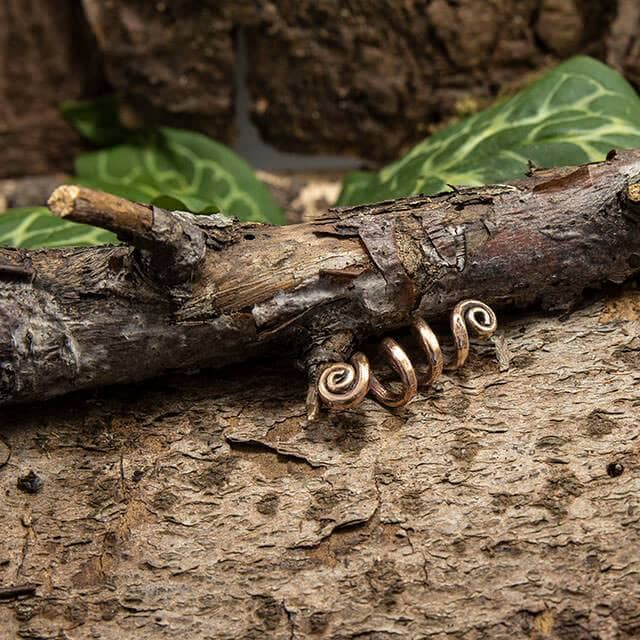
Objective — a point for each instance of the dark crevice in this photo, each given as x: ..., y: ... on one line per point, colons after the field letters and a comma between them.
x: 255, y: 446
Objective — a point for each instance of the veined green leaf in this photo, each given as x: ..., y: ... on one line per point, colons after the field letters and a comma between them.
x: 181, y: 166
x: 575, y: 113
x: 33, y: 227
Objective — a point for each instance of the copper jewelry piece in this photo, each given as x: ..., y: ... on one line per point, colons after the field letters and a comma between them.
x: 399, y: 361
x: 343, y: 385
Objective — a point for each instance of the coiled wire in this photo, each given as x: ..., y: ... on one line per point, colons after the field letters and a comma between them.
x: 343, y: 385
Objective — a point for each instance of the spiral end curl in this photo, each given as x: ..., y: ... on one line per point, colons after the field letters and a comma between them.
x: 344, y: 385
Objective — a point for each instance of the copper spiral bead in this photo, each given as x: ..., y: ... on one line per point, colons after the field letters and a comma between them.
x: 344, y: 385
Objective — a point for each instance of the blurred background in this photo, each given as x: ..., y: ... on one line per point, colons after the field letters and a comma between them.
x: 290, y: 84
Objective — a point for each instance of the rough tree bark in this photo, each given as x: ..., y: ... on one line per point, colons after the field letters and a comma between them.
x: 47, y: 55
x: 362, y: 78
x: 201, y: 290
x: 174, y: 60
x: 372, y: 79
x: 502, y: 504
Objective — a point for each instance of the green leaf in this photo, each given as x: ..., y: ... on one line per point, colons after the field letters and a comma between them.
x: 33, y: 227
x: 189, y: 168
x: 184, y: 203
x: 97, y: 120
x: 575, y: 113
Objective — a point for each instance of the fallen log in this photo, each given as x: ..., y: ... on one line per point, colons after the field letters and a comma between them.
x: 189, y: 291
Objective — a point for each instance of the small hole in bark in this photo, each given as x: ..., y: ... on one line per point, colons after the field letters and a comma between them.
x: 116, y: 263
x: 615, y: 469
x: 249, y: 236
x: 31, y: 483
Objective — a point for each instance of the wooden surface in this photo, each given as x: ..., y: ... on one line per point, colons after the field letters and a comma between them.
x: 206, y: 507
x: 501, y: 504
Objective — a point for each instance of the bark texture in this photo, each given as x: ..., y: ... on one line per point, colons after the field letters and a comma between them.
x: 195, y: 291
x: 371, y: 79
x: 367, y: 79
x: 501, y: 504
x: 362, y: 78
x: 47, y: 56
x: 174, y: 61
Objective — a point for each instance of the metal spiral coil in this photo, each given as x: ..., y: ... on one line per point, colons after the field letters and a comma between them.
x: 343, y: 385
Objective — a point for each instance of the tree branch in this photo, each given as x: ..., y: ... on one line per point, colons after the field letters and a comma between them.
x: 173, y: 245
x: 198, y: 291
